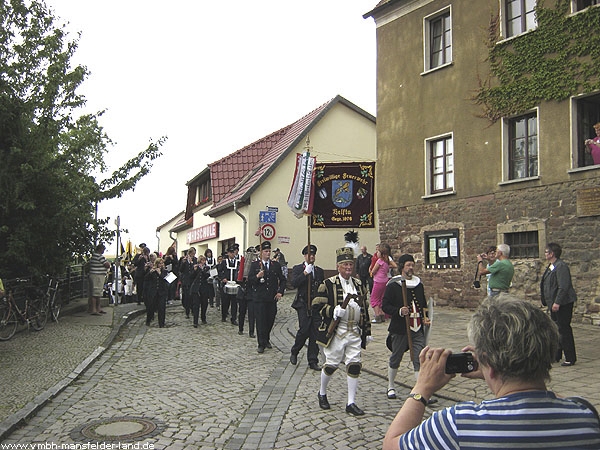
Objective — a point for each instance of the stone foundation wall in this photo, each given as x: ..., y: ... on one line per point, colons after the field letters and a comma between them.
x: 552, y: 208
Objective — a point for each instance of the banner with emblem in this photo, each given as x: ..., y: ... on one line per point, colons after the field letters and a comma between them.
x: 344, y: 195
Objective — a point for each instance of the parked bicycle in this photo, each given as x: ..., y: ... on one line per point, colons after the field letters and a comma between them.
x: 53, y: 298
x: 27, y: 309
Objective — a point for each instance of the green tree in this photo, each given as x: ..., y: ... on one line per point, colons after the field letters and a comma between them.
x: 51, y: 154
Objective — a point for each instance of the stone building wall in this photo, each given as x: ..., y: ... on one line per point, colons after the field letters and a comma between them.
x: 481, y: 220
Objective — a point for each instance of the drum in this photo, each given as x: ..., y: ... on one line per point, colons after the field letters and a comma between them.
x: 231, y: 287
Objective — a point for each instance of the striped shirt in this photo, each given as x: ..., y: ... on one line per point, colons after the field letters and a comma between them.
x: 96, y: 264
x: 519, y: 421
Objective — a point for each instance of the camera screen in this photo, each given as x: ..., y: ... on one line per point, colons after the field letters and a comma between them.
x: 461, y: 363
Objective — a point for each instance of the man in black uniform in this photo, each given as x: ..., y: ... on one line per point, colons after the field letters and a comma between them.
x: 267, y: 284
x: 228, y: 271
x: 303, y: 275
x: 417, y: 312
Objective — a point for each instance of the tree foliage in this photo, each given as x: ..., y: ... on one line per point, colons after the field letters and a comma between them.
x: 51, y: 157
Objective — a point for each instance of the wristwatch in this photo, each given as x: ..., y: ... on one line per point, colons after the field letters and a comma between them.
x: 419, y: 398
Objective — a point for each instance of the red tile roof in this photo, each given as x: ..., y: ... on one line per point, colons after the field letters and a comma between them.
x: 234, y: 177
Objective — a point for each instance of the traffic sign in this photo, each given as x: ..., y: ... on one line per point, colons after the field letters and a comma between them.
x: 267, y: 216
x: 267, y: 231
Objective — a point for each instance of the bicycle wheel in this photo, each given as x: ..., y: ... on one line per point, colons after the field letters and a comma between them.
x: 37, y: 313
x: 8, y: 322
x: 55, y: 306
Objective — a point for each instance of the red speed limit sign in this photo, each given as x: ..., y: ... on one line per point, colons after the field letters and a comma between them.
x: 267, y: 231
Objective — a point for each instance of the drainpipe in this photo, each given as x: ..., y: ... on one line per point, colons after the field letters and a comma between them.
x: 235, y: 209
x: 174, y: 239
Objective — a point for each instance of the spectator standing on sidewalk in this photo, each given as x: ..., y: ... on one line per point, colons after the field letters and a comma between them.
x: 558, y: 294
x: 305, y: 275
x: 363, y: 263
x: 98, y: 265
x: 380, y: 273
x: 501, y: 271
x: 514, y: 343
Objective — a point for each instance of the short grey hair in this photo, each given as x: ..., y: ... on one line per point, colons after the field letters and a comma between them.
x: 514, y: 337
x: 505, y: 249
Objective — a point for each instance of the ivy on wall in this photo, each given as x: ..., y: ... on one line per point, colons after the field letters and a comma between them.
x: 558, y: 59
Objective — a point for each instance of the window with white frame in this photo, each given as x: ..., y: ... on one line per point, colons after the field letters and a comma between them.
x: 438, y: 40
x: 579, y: 5
x: 586, y: 114
x: 522, y: 146
x: 519, y: 17
x: 440, y: 165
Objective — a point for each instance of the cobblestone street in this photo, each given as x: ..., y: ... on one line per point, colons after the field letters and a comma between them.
x: 181, y: 387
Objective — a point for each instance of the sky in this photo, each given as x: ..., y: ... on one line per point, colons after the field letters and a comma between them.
x: 212, y: 77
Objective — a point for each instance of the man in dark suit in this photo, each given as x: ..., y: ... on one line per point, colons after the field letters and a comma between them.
x: 267, y: 283
x: 228, y: 274
x: 558, y: 294
x: 305, y: 275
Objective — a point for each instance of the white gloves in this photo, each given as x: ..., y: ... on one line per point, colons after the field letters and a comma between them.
x: 353, y: 304
x: 339, y: 312
x: 308, y: 269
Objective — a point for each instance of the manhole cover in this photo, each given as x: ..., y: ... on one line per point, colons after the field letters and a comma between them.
x: 117, y: 429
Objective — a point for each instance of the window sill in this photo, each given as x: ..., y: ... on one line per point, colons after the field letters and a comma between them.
x: 440, y: 194
x: 428, y: 71
x: 503, y: 39
x: 518, y: 180
x: 584, y: 168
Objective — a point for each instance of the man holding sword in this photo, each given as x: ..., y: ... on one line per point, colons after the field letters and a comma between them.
x: 404, y: 300
x: 344, y: 342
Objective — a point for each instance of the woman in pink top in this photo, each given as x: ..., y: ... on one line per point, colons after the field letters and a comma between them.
x: 380, y: 274
x: 593, y: 145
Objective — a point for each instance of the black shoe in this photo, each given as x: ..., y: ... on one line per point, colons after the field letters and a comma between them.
x: 204, y: 322
x: 195, y: 325
x: 432, y: 401
x: 323, y: 403
x: 223, y: 320
x: 294, y: 359
x: 268, y: 345
x: 252, y: 335
x: 314, y: 366
x: 354, y: 410
x: 241, y: 333
x: 234, y: 322
x: 260, y: 349
x: 567, y: 364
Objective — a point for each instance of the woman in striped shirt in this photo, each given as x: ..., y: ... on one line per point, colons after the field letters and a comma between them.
x: 515, y: 345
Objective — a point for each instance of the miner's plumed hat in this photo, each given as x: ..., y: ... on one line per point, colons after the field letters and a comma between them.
x: 313, y: 250
x: 236, y: 246
x: 344, y: 254
x: 231, y: 248
x: 403, y: 259
x: 266, y: 245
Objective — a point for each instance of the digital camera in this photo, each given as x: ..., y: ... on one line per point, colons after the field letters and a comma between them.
x: 461, y: 363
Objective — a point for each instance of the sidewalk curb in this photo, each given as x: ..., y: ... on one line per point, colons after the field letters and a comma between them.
x: 12, y: 422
